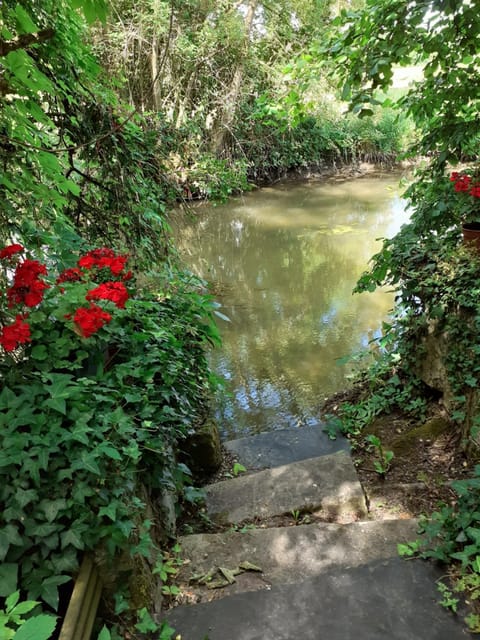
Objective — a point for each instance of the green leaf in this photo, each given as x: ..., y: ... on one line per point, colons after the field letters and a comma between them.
x: 25, y: 22
x: 39, y: 352
x: 110, y: 451
x: 104, y: 634
x: 58, y: 404
x: 39, y: 627
x: 24, y: 607
x: 24, y: 497
x: 8, y: 578
x: 11, y: 601
x: 166, y: 631
x: 51, y: 508
x: 8, y: 399
x: 89, y: 463
x: 92, y: 9
x: 146, y: 623
x: 49, y: 593
x: 409, y: 549
x: 110, y: 511
x: 70, y: 537
x: 9, y: 536
x: 43, y: 530
x: 238, y: 468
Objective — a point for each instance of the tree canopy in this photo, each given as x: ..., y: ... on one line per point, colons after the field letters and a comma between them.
x: 442, y: 37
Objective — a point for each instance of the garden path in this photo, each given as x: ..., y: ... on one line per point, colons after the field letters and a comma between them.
x: 299, y: 556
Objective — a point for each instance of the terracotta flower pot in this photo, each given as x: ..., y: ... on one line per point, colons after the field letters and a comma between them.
x: 471, y: 235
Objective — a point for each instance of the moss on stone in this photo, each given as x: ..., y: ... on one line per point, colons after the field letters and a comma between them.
x: 430, y: 430
x: 202, y: 449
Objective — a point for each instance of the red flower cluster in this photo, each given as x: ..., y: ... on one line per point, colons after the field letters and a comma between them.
x: 114, y: 291
x: 15, y: 334
x: 27, y: 287
x: 103, y: 258
x: 70, y: 275
x: 90, y: 320
x: 8, y: 252
x: 463, y: 184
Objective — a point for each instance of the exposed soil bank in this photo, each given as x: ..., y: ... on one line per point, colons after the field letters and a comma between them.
x: 427, y: 458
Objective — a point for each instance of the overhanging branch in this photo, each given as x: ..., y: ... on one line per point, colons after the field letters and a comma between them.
x: 25, y: 40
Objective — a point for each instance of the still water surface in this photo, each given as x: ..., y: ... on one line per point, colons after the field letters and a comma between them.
x: 283, y: 261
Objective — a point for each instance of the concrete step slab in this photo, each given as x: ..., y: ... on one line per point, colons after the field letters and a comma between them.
x: 288, y: 554
x: 281, y: 447
x: 328, y: 483
x: 392, y: 599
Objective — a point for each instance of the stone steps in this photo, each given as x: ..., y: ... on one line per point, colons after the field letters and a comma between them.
x: 287, y: 554
x: 383, y: 600
x: 335, y: 580
x: 284, y: 446
x: 327, y: 484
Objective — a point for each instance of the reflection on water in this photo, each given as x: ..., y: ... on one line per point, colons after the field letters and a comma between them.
x: 283, y: 261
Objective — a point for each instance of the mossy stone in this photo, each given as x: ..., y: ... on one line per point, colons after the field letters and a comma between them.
x: 431, y: 430
x: 203, y: 450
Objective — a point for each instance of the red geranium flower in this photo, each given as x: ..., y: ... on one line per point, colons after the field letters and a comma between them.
x: 15, y: 334
x: 475, y: 191
x: 114, y: 291
x: 69, y: 275
x: 116, y: 264
x: 27, y: 288
x: 8, y: 252
x: 90, y: 320
x: 103, y: 258
x: 462, y: 183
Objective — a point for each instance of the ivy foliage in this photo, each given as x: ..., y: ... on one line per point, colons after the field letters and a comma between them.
x: 434, y: 275
x: 422, y: 262
x: 86, y: 421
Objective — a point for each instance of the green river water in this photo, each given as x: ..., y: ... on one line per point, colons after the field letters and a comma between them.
x: 283, y: 261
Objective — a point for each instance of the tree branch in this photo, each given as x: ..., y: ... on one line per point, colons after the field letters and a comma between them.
x: 25, y: 40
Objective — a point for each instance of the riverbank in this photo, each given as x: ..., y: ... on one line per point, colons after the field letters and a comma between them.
x: 340, y: 171
x: 427, y: 458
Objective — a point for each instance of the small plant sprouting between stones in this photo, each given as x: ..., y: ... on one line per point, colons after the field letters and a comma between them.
x: 237, y: 469
x: 448, y: 601
x: 295, y: 515
x: 167, y: 567
x: 384, y: 457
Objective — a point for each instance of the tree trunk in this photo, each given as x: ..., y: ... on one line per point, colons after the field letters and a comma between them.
x: 227, y: 112
x: 156, y: 88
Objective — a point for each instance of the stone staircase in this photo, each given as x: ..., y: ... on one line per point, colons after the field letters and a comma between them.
x: 298, y: 557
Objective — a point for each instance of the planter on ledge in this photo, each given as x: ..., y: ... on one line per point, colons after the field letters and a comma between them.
x: 471, y: 235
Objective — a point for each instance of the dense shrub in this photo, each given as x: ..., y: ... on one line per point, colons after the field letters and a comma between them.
x: 99, y: 384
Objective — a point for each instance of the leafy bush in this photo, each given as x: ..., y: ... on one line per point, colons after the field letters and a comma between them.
x: 273, y: 145
x: 216, y: 179
x: 99, y: 384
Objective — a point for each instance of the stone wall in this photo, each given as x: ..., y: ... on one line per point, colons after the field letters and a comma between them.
x: 432, y: 370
